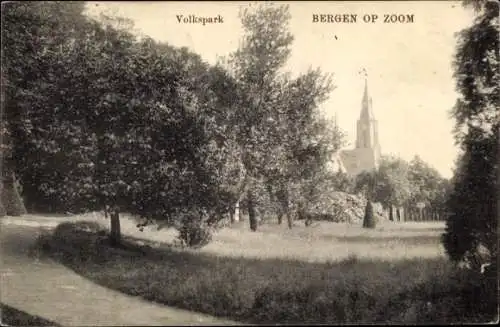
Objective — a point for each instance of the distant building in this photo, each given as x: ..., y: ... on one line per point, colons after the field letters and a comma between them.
x: 366, y: 155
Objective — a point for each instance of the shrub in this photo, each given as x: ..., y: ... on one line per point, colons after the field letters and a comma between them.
x: 10, y: 199
x: 369, y: 219
x: 341, y: 207
x: 194, y: 232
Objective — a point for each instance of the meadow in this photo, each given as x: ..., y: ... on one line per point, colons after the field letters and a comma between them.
x: 321, y: 242
x: 327, y: 273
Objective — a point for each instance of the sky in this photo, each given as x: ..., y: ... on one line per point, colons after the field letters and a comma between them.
x: 409, y: 65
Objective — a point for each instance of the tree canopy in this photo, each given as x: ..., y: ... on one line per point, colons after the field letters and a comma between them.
x: 100, y: 118
x: 472, y: 206
x: 282, y: 137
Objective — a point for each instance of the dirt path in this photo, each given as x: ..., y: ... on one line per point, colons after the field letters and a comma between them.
x: 47, y: 289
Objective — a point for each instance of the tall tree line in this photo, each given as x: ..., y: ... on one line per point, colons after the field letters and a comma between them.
x: 410, y: 191
x: 101, y: 119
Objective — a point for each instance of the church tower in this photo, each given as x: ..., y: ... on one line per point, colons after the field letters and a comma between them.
x: 366, y: 154
x: 367, y: 127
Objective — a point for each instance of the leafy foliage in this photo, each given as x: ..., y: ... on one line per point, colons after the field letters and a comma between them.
x: 105, y: 120
x: 472, y: 220
x: 427, y: 188
x: 284, y: 141
x: 37, y: 112
x: 397, y: 183
x: 194, y: 232
x: 393, y: 185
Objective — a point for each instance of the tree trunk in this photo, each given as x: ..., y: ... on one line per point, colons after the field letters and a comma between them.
x: 252, y: 214
x: 2, y: 208
x: 308, y: 220
x: 234, y: 213
x: 289, y: 218
x: 391, y: 213
x: 301, y: 213
x: 280, y: 217
x: 282, y: 199
x: 237, y: 211
x: 115, y: 234
x: 398, y: 212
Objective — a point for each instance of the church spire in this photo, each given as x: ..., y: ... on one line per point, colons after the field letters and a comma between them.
x: 366, y: 155
x: 365, y: 94
x: 366, y: 106
x: 367, y: 130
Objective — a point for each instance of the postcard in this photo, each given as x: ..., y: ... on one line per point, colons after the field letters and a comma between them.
x: 234, y: 162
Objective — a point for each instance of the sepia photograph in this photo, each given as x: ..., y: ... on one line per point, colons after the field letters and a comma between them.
x: 249, y: 163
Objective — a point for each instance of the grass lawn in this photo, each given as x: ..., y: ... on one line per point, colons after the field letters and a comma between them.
x: 13, y: 317
x: 322, y: 242
x: 330, y: 273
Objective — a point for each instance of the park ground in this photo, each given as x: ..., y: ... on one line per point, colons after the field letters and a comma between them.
x: 37, y: 291
x: 325, y: 273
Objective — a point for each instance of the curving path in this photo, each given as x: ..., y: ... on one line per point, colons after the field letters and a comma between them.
x: 47, y: 289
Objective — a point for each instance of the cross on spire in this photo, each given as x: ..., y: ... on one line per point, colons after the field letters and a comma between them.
x: 363, y: 72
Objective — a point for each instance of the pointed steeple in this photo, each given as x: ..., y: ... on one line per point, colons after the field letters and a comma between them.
x: 366, y: 106
x: 367, y: 131
x: 366, y: 155
x: 365, y: 93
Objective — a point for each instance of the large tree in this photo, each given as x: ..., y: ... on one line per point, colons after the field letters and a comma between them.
x: 280, y: 132
x: 156, y: 127
x: 256, y: 66
x: 472, y: 221
x: 39, y: 59
x: 194, y: 175
x: 429, y: 188
x: 104, y: 120
x: 388, y: 184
